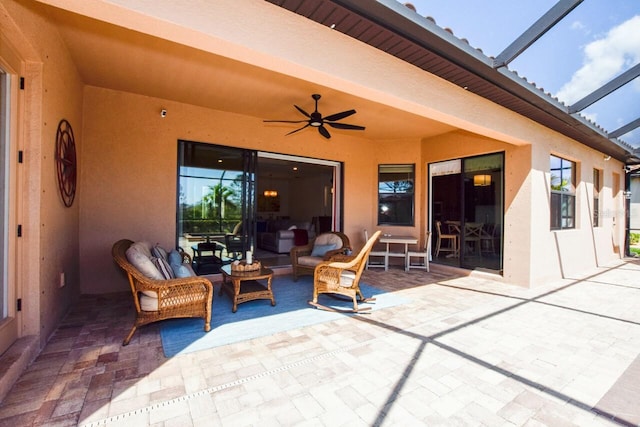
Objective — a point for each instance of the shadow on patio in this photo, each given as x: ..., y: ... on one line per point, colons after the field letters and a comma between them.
x: 463, y: 350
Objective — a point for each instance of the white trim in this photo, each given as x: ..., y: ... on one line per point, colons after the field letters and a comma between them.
x: 337, y: 173
x: 278, y: 156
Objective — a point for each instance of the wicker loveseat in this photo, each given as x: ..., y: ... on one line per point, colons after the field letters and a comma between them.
x: 157, y: 298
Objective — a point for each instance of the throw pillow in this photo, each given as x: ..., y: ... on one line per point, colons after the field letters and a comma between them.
x: 293, y: 227
x: 163, y: 266
x: 158, y: 252
x: 144, y: 247
x: 321, y: 250
x: 142, y: 263
x: 300, y: 237
x: 183, y: 270
x: 174, y: 257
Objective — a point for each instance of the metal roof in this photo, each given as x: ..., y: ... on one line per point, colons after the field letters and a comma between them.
x: 396, y: 29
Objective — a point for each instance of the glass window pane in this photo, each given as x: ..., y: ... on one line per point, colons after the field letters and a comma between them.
x: 210, y: 199
x: 555, y: 211
x: 562, y: 181
x: 395, y: 194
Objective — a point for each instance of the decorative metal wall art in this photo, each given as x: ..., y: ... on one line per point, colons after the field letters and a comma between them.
x: 66, y: 162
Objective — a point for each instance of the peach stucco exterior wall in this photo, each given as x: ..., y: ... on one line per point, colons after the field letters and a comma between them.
x: 130, y: 161
x: 534, y: 254
x: 49, y: 245
x: 128, y: 154
x: 584, y: 247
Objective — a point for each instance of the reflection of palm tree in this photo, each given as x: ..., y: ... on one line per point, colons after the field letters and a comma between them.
x: 558, y: 184
x: 219, y: 198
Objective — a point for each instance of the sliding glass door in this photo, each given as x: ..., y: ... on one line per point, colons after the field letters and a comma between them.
x: 221, y: 215
x: 215, y: 201
x: 466, y: 211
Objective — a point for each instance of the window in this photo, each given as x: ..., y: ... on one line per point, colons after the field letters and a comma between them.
x: 395, y: 194
x: 563, y: 193
x: 596, y: 197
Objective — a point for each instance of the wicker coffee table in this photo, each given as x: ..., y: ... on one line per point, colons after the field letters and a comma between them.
x: 247, y: 285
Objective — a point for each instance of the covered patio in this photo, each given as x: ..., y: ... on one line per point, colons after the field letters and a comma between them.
x: 457, y: 353
x: 134, y: 79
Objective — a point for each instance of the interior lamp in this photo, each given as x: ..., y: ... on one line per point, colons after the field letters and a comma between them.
x: 272, y: 192
x: 481, y: 180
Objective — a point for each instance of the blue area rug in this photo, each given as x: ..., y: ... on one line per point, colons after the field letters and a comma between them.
x: 258, y: 318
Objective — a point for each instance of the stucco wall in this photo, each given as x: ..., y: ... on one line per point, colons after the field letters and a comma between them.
x: 534, y: 254
x: 49, y: 247
x: 517, y: 238
x: 566, y: 253
x: 129, y: 160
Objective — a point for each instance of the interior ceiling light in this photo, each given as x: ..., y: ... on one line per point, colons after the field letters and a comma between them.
x: 481, y: 180
x: 316, y: 120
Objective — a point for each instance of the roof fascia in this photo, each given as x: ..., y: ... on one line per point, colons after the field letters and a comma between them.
x: 403, y: 21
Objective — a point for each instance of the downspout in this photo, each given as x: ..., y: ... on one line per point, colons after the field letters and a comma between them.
x: 627, y: 210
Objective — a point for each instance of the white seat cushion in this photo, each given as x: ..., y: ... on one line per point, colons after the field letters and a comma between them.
x: 328, y: 239
x: 347, y: 278
x: 149, y: 303
x: 309, y: 261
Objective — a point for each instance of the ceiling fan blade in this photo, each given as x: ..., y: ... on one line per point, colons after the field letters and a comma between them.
x: 298, y: 130
x: 339, y: 116
x: 344, y: 126
x: 302, y: 111
x: 285, y: 121
x: 324, y: 132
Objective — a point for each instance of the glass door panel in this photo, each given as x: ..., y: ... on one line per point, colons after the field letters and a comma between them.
x: 8, y: 202
x: 216, y: 209
x: 466, y: 211
x: 481, y: 230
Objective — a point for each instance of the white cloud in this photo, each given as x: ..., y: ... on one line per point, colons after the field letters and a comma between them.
x: 604, y: 59
x: 577, y: 25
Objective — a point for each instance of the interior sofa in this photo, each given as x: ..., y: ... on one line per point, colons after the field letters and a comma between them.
x: 283, y: 234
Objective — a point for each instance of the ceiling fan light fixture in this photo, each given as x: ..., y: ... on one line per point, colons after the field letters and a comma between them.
x: 316, y: 120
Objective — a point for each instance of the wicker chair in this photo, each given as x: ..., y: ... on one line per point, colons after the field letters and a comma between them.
x: 183, y: 297
x: 302, y: 260
x: 342, y: 274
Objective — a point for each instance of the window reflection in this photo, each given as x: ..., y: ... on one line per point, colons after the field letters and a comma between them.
x: 395, y: 194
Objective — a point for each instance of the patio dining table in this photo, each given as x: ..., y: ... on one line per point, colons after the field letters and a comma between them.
x: 389, y: 239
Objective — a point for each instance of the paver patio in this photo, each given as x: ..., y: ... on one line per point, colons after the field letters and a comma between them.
x: 465, y: 350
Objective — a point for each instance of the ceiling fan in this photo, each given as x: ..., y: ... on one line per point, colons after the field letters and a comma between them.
x: 316, y: 120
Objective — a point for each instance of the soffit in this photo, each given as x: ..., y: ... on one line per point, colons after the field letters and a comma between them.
x: 113, y: 57
x: 420, y: 42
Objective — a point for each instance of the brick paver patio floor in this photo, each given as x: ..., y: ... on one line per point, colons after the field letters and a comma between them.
x: 464, y: 351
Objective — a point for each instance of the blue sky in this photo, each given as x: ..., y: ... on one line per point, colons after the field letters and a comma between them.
x: 597, y: 41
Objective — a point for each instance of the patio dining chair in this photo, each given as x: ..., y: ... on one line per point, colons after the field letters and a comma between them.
x: 473, y: 238
x: 423, y: 255
x: 377, y: 252
x: 452, y: 239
